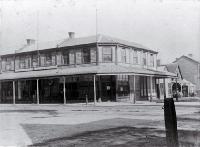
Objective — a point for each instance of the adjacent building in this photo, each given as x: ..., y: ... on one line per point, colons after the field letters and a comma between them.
x: 178, y: 85
x: 96, y: 68
x: 190, y: 69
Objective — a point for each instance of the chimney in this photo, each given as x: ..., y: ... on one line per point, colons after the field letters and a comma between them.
x: 158, y: 62
x: 71, y: 35
x: 190, y: 55
x: 30, y: 41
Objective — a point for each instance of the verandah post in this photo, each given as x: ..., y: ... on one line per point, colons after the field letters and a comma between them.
x: 37, y: 91
x: 134, y: 91
x: 64, y: 90
x: 151, y: 88
x: 95, y: 99
x: 13, y: 92
x: 164, y: 87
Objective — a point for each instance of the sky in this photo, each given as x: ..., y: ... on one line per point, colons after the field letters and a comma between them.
x: 171, y: 27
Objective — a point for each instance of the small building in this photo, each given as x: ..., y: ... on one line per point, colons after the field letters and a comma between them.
x: 178, y: 85
x: 190, y: 69
x: 96, y: 68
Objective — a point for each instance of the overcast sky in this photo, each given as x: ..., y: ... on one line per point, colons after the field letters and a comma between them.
x: 170, y: 27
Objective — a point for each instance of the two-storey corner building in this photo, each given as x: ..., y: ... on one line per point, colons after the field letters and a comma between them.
x: 97, y: 68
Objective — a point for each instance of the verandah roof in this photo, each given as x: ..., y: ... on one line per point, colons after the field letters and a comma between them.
x: 99, y: 70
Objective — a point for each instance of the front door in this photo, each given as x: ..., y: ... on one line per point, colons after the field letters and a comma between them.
x: 143, y: 88
x: 108, y: 88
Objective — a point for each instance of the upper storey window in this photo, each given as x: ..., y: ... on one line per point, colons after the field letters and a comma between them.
x: 93, y: 55
x: 152, y: 60
x: 123, y: 55
x: 135, y: 57
x: 24, y: 62
x: 81, y: 56
x: 7, y: 64
x: 107, y: 54
x: 78, y: 56
x: 86, y: 55
x: 66, y: 57
x: 48, y: 59
x: 35, y: 60
x: 144, y: 58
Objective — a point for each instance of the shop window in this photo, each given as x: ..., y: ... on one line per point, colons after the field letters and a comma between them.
x: 122, y: 85
x: 107, y: 54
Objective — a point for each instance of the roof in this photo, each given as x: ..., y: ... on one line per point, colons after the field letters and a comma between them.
x: 100, y: 70
x: 101, y: 39
x: 172, y: 67
x: 188, y: 58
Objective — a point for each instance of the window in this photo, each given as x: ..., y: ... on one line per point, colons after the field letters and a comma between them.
x: 86, y: 55
x: 71, y: 57
x: 7, y: 64
x: 24, y: 62
x: 107, y: 54
x: 123, y: 54
x: 93, y: 55
x: 66, y: 57
x: 144, y: 59
x: 78, y: 56
x: 48, y: 59
x: 135, y: 57
x: 122, y: 85
x: 152, y: 60
x: 35, y: 60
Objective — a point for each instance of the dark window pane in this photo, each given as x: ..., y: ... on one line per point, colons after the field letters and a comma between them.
x: 86, y: 55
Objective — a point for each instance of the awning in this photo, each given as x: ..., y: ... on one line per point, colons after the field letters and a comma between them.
x: 98, y: 70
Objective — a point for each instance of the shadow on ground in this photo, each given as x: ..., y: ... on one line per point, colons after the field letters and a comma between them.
x: 111, y: 132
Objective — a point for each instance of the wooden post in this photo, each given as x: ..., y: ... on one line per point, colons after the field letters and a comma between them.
x: 170, y: 123
x: 95, y: 99
x: 13, y: 92
x: 38, y: 102
x: 99, y: 100
x: 176, y: 91
x: 151, y: 88
x: 64, y: 90
x: 164, y: 88
x: 86, y: 99
x: 134, y: 91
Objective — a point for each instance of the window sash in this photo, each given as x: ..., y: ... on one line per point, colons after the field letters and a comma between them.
x: 123, y: 55
x: 135, y: 57
x: 151, y: 60
x: 107, y: 54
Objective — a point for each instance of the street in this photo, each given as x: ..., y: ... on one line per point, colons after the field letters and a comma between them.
x: 45, y: 125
